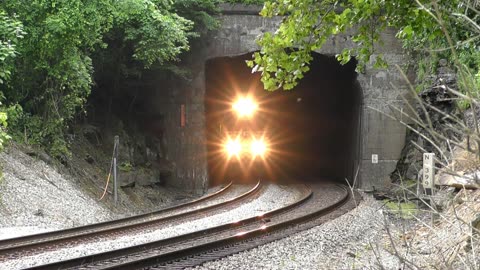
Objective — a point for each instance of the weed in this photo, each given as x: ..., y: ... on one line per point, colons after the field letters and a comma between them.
x: 125, y: 167
x: 406, y: 210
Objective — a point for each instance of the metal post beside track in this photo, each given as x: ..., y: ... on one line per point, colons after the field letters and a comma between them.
x: 115, y: 155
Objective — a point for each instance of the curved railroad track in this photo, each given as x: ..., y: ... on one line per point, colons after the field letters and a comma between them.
x: 15, y: 248
x: 318, y: 204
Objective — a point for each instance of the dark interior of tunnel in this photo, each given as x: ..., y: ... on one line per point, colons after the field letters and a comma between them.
x: 313, y: 129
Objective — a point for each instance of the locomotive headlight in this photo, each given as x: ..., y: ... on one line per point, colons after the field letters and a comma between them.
x: 258, y: 147
x: 245, y: 107
x: 233, y: 147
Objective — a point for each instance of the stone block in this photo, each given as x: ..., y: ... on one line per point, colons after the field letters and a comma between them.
x: 382, y: 136
x: 376, y: 175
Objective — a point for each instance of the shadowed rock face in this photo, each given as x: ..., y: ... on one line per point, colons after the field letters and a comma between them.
x: 312, y: 128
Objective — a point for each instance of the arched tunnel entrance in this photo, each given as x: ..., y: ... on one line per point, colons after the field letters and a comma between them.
x: 312, y: 131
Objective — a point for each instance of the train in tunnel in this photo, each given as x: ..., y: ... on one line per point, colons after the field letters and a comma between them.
x: 308, y: 132
x: 242, y: 139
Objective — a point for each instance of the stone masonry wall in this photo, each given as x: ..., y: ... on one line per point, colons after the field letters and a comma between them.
x: 240, y: 26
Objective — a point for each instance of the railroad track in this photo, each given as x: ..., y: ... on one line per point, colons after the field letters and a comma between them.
x: 34, y: 244
x: 317, y: 205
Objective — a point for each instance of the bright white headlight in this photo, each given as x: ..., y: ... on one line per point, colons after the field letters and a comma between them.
x: 245, y: 107
x: 258, y: 147
x: 233, y: 147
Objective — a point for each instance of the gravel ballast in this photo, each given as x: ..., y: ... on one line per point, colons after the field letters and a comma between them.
x: 35, y: 198
x: 266, y: 202
x: 372, y: 236
x: 233, y: 192
x: 337, y: 244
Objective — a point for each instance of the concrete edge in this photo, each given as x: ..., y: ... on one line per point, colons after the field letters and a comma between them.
x: 240, y: 9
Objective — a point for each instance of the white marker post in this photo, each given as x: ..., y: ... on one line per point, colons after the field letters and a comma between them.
x: 374, y: 159
x: 428, y: 172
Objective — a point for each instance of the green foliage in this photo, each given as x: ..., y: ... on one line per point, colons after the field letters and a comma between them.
x: 11, y: 31
x: 470, y: 59
x: 157, y: 34
x: 52, y: 75
x: 4, y: 137
x: 308, y: 24
x: 200, y: 12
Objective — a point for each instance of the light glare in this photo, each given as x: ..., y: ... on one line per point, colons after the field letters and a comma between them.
x: 258, y: 148
x: 245, y: 107
x: 233, y: 147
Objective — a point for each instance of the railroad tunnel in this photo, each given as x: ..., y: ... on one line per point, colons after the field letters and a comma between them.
x: 312, y: 130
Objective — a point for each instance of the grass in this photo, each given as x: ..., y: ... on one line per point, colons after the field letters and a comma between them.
x: 406, y: 210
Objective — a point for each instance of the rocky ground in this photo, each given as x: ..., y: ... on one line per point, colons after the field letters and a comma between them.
x: 333, y: 245
x: 268, y: 201
x: 375, y: 236
x: 37, y: 196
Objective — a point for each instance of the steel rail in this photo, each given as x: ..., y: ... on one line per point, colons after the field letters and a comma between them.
x: 110, y: 258
x: 11, y: 242
x: 32, y: 242
x: 231, y: 244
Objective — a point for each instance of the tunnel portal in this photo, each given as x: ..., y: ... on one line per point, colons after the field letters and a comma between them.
x: 312, y: 130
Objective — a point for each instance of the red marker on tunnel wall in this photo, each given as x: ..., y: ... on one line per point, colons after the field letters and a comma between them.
x: 183, y: 119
